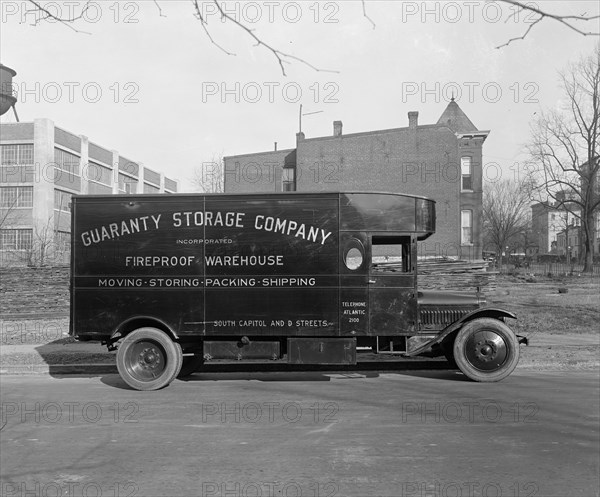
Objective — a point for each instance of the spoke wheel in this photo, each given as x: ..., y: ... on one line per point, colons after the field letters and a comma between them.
x: 485, y: 349
x: 148, y: 359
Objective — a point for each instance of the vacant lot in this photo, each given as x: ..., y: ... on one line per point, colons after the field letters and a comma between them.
x: 563, y: 328
x: 542, y: 309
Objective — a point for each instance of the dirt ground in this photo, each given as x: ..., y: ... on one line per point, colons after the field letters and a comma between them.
x: 541, y: 308
x: 563, y: 327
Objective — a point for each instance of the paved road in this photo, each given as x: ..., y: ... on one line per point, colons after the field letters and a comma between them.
x: 410, y: 434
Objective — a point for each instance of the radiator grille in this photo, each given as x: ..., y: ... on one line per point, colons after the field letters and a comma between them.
x: 442, y: 316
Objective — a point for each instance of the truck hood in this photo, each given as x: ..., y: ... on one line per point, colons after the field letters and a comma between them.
x: 440, y: 298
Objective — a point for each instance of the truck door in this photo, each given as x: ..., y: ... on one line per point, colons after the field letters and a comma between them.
x: 354, y: 284
x: 392, y: 284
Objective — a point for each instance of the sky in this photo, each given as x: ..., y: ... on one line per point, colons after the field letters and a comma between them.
x: 145, y: 79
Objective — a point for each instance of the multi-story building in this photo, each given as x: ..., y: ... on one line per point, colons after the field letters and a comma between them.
x: 568, y: 242
x: 554, y: 227
x: 442, y: 161
x: 547, y: 221
x: 41, y: 167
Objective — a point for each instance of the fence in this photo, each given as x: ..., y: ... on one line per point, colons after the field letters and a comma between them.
x: 553, y: 268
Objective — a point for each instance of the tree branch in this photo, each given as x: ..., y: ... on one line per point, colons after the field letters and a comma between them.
x: 278, y: 54
x: 160, y: 12
x: 66, y: 21
x: 565, y: 20
x: 204, y: 24
x: 364, y: 9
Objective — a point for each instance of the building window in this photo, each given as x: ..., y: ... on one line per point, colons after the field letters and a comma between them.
x: 16, y: 196
x: 63, y: 241
x: 170, y: 185
x: 150, y: 188
x: 66, y: 161
x: 288, y: 179
x: 127, y: 184
x: 17, y: 154
x: 466, y: 223
x: 151, y: 176
x: 62, y: 201
x: 16, y: 239
x: 99, y: 173
x: 466, y: 171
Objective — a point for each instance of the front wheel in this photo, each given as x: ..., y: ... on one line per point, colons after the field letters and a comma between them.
x: 148, y: 359
x: 486, y: 350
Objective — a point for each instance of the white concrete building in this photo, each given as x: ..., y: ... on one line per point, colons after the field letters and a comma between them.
x: 41, y: 167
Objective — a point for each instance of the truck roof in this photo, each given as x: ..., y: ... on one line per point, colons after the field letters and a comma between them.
x: 253, y: 194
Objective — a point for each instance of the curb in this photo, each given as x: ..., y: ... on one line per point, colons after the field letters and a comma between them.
x: 58, y: 369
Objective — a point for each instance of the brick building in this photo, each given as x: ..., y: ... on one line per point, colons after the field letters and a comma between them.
x: 547, y: 222
x: 554, y: 227
x: 442, y: 161
x: 41, y: 167
x: 568, y: 242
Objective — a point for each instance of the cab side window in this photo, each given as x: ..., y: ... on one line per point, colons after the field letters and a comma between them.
x: 391, y: 254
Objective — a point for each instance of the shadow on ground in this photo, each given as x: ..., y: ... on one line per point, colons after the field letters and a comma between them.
x: 287, y: 373
x: 67, y: 356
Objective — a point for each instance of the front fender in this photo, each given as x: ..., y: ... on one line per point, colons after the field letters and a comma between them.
x: 485, y: 312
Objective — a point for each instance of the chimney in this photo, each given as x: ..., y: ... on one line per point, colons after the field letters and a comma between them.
x: 413, y: 118
x: 275, y: 146
x: 337, y: 128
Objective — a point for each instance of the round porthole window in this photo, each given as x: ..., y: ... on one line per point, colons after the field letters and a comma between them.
x: 354, y: 258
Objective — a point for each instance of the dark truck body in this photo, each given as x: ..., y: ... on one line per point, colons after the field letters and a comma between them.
x: 310, y: 276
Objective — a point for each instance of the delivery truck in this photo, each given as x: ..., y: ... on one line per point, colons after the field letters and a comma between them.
x: 173, y: 281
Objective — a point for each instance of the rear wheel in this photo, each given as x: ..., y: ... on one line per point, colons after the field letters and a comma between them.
x: 487, y: 350
x: 148, y: 359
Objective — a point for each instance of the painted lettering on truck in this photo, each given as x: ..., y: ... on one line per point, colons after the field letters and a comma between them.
x: 189, y: 219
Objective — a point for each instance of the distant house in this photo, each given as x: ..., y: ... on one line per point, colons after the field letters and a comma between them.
x: 547, y: 222
x: 551, y: 222
x: 442, y: 161
x: 568, y: 242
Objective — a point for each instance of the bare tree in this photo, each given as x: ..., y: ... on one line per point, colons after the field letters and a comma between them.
x: 10, y: 215
x: 505, y: 212
x: 577, y: 23
x: 41, y: 251
x: 209, y: 176
x: 8, y: 210
x: 38, y: 249
x: 565, y: 151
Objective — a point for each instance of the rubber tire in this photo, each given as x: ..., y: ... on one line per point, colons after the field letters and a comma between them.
x: 447, y: 347
x: 170, y: 349
x: 498, y: 327
x: 191, y: 364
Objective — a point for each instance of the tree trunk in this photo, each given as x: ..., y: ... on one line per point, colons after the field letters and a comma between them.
x: 588, y: 240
